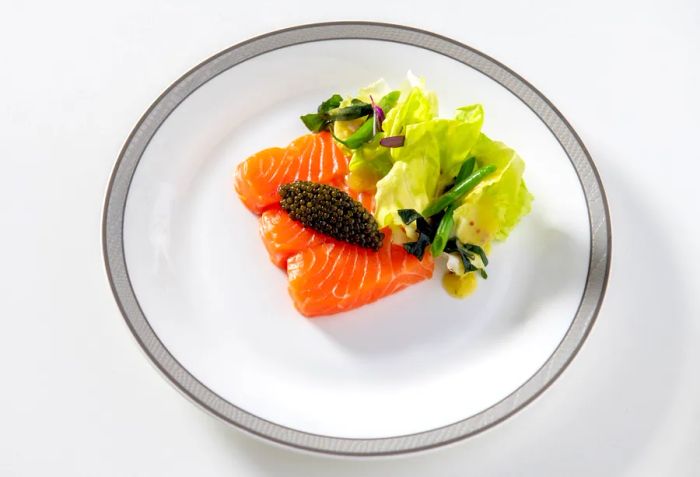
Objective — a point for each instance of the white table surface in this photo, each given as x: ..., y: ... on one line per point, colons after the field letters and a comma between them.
x: 78, y: 397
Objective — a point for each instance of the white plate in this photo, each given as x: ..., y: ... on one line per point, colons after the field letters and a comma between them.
x: 414, y: 370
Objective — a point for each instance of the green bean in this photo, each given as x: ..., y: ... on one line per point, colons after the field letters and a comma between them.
x: 466, y: 169
x: 361, y: 135
x: 458, y: 191
x: 353, y: 111
x: 443, y: 231
x: 389, y: 100
x: 364, y: 132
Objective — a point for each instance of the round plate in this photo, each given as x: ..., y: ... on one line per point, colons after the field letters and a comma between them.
x: 415, y: 370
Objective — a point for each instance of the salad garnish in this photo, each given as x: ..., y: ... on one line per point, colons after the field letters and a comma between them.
x: 319, y: 121
x: 378, y: 116
x: 426, y: 232
x: 437, y: 182
x: 332, y: 110
x: 392, y: 141
x: 371, y: 116
x: 457, y: 192
x: 468, y: 253
x: 439, y: 239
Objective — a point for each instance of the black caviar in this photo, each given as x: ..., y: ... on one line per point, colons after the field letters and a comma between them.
x: 331, y: 211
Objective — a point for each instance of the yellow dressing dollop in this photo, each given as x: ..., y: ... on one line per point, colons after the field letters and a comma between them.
x: 459, y: 286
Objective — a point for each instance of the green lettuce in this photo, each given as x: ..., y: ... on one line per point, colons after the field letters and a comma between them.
x: 404, y: 187
x: 411, y: 176
x: 415, y: 105
x: 449, y: 141
x: 430, y: 158
x: 376, y: 90
x: 369, y: 163
x: 373, y: 161
x: 498, y: 203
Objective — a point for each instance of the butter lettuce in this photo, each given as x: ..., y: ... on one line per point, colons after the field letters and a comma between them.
x: 449, y: 141
x: 373, y: 161
x: 498, y: 203
x: 433, y: 151
x: 369, y: 163
x: 376, y: 90
x: 411, y: 176
x: 404, y: 187
x: 412, y: 170
x: 415, y: 105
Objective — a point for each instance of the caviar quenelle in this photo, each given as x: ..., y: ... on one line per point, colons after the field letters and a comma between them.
x: 331, y: 211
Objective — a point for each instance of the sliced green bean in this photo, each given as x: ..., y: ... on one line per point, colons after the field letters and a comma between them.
x: 361, y: 135
x: 458, y: 191
x: 353, y: 111
x: 389, y: 100
x: 444, y: 230
x: 364, y: 132
x: 466, y: 169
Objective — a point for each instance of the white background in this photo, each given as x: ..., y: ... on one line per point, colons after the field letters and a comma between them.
x: 78, y: 398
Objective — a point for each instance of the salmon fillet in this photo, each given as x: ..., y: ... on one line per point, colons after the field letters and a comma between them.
x: 284, y: 237
x: 312, y: 157
x: 326, y: 275
x: 335, y: 276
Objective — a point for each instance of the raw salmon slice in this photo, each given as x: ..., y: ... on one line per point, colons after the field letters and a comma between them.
x: 250, y: 183
x: 334, y: 277
x: 312, y: 157
x: 284, y: 237
x: 364, y: 198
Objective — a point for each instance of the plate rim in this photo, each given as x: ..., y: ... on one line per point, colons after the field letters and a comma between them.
x: 117, y: 273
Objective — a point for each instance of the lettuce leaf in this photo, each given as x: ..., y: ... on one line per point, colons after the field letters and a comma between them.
x: 404, y: 187
x: 412, y: 179
x: 369, y: 163
x: 415, y: 106
x: 409, y: 177
x: 377, y: 90
x: 496, y: 205
x: 447, y: 140
x: 372, y: 161
x: 432, y: 153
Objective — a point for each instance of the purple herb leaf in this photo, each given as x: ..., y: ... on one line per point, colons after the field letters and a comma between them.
x: 393, y: 141
x: 378, y: 116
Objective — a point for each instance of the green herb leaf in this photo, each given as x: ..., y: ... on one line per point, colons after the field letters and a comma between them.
x: 478, y: 250
x: 466, y: 251
x: 320, y: 121
x: 417, y: 248
x: 424, y: 228
x: 408, y: 215
x: 331, y: 103
x: 426, y: 232
x: 314, y: 122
